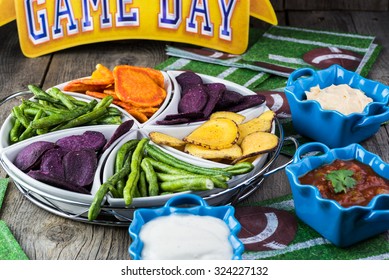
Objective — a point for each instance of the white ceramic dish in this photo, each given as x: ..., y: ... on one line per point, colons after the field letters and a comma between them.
x: 169, y: 96
x: 78, y: 204
x: 9, y: 154
x: 160, y: 200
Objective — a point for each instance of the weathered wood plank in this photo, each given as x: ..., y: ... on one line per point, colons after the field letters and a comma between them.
x: 81, y: 61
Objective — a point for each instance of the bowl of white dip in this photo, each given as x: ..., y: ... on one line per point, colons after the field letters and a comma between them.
x: 185, y: 228
x: 335, y: 106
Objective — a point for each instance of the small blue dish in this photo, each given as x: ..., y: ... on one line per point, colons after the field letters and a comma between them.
x: 329, y: 126
x: 341, y: 226
x: 178, y: 205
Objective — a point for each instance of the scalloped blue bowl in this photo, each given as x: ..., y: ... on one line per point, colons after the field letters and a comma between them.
x: 342, y: 226
x: 329, y: 126
x: 198, y: 206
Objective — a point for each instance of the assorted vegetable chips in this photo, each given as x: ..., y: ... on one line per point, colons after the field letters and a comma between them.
x: 69, y: 163
x: 199, y: 100
x: 138, y: 90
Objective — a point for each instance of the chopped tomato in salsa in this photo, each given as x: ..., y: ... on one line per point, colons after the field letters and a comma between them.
x: 368, y: 183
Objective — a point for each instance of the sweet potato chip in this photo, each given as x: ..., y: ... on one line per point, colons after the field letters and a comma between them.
x: 82, y: 87
x: 257, y: 143
x: 155, y: 75
x: 96, y: 94
x: 215, y: 134
x: 261, y: 123
x: 139, y: 116
x: 102, y: 73
x: 230, y: 153
x: 237, y: 118
x: 137, y: 87
x: 165, y: 139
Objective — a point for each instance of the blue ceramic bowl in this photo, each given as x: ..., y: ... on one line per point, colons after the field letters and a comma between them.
x: 198, y: 206
x: 342, y: 226
x: 328, y: 126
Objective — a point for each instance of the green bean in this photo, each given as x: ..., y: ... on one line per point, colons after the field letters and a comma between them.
x: 133, y: 178
x: 76, y: 101
x: 30, y: 131
x: 31, y: 111
x: 107, y: 119
x: 15, y: 131
x: 49, y: 110
x: 56, y: 119
x: 173, y: 177
x: 58, y: 94
x: 95, y: 206
x: 81, y: 120
x: 112, y: 111
x: 166, y: 168
x: 156, y: 153
x: 40, y: 94
x: 122, y: 154
x: 143, y: 185
x: 240, y: 168
x: 18, y: 114
x: 104, y: 103
x: 187, y: 184
x: 151, y: 177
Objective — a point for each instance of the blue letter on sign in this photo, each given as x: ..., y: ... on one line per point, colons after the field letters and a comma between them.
x: 64, y: 11
x: 199, y: 8
x: 126, y: 19
x: 36, y: 36
x: 87, y: 19
x: 170, y: 20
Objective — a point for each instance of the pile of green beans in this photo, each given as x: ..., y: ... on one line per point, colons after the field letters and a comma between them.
x: 143, y: 169
x: 54, y: 110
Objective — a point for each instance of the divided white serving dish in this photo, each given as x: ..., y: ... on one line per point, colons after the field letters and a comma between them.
x: 78, y: 204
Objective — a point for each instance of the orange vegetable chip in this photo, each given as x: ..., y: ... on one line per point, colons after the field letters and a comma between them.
x: 112, y: 93
x: 96, y: 94
x: 139, y: 116
x: 155, y: 75
x: 81, y: 86
x: 102, y: 73
x: 137, y: 87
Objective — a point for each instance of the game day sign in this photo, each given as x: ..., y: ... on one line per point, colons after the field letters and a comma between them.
x: 46, y: 26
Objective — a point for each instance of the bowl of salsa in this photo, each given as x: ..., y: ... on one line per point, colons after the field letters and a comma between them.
x: 342, y: 193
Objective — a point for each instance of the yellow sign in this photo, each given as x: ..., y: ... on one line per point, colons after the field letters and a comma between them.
x: 7, y: 14
x: 47, y: 26
x: 263, y: 10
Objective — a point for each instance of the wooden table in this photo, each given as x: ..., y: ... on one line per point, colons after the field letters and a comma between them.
x: 45, y: 236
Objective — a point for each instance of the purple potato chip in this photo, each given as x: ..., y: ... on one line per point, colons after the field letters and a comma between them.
x: 194, y: 100
x: 188, y: 79
x: 229, y: 98
x: 190, y: 115
x: 122, y: 129
x: 51, y: 163
x: 215, y: 92
x: 173, y: 121
x: 46, y: 178
x: 88, y: 140
x: 248, y: 101
x: 30, y: 156
x: 80, y: 167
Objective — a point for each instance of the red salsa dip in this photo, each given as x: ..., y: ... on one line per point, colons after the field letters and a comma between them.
x: 355, y: 184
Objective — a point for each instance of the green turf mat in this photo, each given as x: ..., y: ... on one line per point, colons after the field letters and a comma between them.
x: 9, y: 247
x: 309, y: 245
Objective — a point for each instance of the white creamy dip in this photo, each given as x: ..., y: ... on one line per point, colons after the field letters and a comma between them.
x: 341, y: 98
x: 186, y: 237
